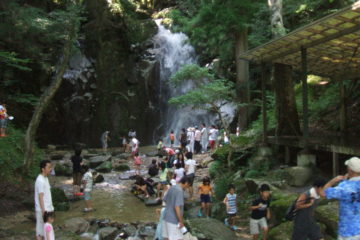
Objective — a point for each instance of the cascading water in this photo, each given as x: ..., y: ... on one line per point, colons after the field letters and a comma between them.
x: 173, y: 51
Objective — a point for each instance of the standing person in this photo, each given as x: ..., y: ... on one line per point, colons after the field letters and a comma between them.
x: 230, y: 201
x: 212, y: 137
x: 197, y: 140
x: 88, y: 185
x: 160, y: 147
x: 183, y: 139
x: 163, y: 179
x: 190, y: 168
x: 179, y: 159
x: 124, y: 143
x: 49, y: 218
x: 172, y: 138
x: 173, y: 219
x: 137, y: 163
x: 205, y: 191
x: 260, y: 211
x: 104, y: 140
x: 76, y: 160
x: 347, y: 193
x: 3, y: 120
x: 305, y: 226
x: 134, y: 146
x: 43, y: 200
x: 179, y: 172
x: 190, y: 139
x: 204, y: 138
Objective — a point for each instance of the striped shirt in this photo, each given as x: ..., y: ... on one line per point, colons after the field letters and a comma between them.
x: 231, y: 200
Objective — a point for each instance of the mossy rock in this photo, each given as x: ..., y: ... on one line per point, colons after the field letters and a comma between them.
x: 104, y: 167
x: 63, y: 170
x: 209, y: 228
x: 329, y: 216
x: 122, y: 167
x: 215, y: 168
x: 281, y: 232
x: 279, y: 208
x: 59, y: 199
x: 62, y: 206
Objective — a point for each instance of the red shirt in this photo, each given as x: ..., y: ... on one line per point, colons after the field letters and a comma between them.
x: 170, y: 151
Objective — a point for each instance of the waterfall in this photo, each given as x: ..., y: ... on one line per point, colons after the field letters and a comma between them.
x: 172, y: 51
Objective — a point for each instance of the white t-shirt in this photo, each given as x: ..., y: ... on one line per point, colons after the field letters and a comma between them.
x: 213, y: 134
x: 88, y: 177
x: 191, y: 164
x: 180, y: 172
x: 204, y: 133
x: 48, y: 228
x: 197, y: 135
x: 42, y: 186
x: 134, y: 144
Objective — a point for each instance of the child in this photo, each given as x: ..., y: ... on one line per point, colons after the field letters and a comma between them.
x: 88, y: 184
x: 231, y: 209
x: 172, y: 138
x: 260, y: 212
x: 48, y: 228
x: 179, y: 172
x: 137, y: 162
x: 205, y: 191
x: 163, y: 178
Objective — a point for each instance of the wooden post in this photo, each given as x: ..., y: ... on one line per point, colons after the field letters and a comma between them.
x: 263, y: 99
x: 343, y: 125
x: 304, y: 94
x: 335, y: 158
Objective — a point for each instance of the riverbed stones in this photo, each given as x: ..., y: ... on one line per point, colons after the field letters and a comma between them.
x: 107, y: 233
x: 124, y: 155
x: 147, y: 231
x: 121, y: 167
x: 105, y: 167
x: 299, y: 176
x: 209, y: 228
x: 63, y: 170
x: 98, y: 160
x: 130, y: 230
x: 76, y: 225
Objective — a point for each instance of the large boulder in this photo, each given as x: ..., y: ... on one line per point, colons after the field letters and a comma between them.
x: 98, y: 178
x: 105, y: 167
x: 130, y: 230
x: 279, y: 208
x: 63, y: 170
x: 146, y: 231
x: 121, y: 167
x: 98, y: 160
x: 76, y: 225
x: 299, y: 176
x: 59, y: 199
x: 209, y: 228
x: 281, y: 232
x: 107, y: 233
x: 329, y: 215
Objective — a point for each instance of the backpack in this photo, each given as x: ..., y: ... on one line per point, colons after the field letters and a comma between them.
x: 292, y: 211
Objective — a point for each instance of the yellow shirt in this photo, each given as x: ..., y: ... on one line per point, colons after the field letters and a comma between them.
x: 205, y: 189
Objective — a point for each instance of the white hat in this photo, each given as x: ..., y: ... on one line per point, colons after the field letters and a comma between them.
x: 354, y: 164
x: 177, y: 151
x: 172, y: 182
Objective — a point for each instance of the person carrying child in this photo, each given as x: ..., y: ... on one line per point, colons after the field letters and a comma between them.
x: 137, y: 163
x: 206, y: 192
x: 231, y: 208
x: 49, y: 218
x: 87, y: 181
x: 260, y: 211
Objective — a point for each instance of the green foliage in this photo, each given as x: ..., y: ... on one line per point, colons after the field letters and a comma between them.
x: 222, y: 184
x: 12, y: 155
x: 216, y: 168
x: 10, y: 59
x: 193, y: 72
x: 253, y: 174
x: 221, y: 153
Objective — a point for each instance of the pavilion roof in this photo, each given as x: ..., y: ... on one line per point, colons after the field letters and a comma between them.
x: 332, y: 44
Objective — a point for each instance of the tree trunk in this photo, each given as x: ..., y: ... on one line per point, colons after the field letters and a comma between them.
x: 286, y: 112
x: 242, y: 78
x: 45, y: 99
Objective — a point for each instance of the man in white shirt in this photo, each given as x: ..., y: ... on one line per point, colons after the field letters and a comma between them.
x: 191, y: 139
x: 190, y: 168
x: 43, y: 200
x: 204, y: 138
x: 212, y: 137
x: 134, y: 146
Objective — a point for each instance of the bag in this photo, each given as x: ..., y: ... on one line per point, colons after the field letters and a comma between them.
x: 292, y: 211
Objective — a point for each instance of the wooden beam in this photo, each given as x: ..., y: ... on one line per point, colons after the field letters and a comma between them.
x: 304, y: 93
x: 263, y: 99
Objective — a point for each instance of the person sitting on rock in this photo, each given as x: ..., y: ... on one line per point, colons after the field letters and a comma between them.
x: 153, y: 168
x: 142, y: 186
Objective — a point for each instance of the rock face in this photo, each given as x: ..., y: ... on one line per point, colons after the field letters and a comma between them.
x: 107, y: 233
x: 76, y: 225
x: 209, y: 228
x: 299, y: 176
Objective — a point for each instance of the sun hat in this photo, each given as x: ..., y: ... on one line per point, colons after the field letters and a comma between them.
x: 354, y: 164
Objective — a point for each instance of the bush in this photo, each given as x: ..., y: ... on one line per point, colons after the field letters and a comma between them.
x: 221, y: 153
x: 215, y: 168
x: 253, y: 174
x: 222, y: 184
x: 12, y: 155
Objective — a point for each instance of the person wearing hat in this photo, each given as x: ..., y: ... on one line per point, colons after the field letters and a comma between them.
x: 347, y: 192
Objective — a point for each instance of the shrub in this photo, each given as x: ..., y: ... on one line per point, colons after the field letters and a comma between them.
x: 222, y: 184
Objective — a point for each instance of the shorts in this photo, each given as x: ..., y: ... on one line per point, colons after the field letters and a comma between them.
x: 205, y: 198
x: 191, y: 178
x: 230, y: 215
x: 3, y: 123
x: 77, y: 178
x: 171, y: 231
x: 212, y: 144
x: 87, y: 196
x: 357, y: 237
x: 164, y: 182
x: 172, y: 142
x: 39, y: 223
x: 255, y: 224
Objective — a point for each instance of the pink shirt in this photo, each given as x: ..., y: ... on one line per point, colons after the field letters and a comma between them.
x: 48, y: 228
x: 170, y: 151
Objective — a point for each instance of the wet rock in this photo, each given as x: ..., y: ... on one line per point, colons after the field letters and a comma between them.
x: 130, y: 230
x: 252, y: 185
x: 105, y: 167
x: 122, y: 167
x: 103, y: 223
x: 152, y: 154
x: 63, y: 170
x: 107, y: 233
x: 56, y: 156
x: 76, y: 225
x: 209, y: 228
x: 329, y: 216
x: 98, y: 160
x: 299, y: 176
x: 147, y: 231
x: 124, y: 155
x: 98, y: 178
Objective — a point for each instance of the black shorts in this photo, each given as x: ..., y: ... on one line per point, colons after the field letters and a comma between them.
x: 205, y: 198
x: 172, y: 141
x: 230, y: 215
x: 191, y: 178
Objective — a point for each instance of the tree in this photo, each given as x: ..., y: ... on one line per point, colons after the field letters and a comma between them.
x: 286, y: 112
x: 211, y: 93
x: 71, y: 22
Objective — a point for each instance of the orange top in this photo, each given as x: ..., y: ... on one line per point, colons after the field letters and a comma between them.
x: 205, y: 189
x: 172, y: 137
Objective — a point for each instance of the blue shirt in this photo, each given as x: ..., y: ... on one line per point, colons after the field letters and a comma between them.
x: 348, y: 194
